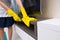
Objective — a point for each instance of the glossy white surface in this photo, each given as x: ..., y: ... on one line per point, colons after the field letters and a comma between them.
x: 23, y: 35
x: 49, y: 29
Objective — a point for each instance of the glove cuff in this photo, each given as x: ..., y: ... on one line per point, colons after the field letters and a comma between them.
x: 23, y: 11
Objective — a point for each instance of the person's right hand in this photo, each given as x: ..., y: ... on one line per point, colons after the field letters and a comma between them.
x: 14, y: 15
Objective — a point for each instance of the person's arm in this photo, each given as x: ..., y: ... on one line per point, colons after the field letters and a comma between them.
x: 10, y: 11
x: 26, y: 19
x: 22, y: 9
x: 4, y: 5
x: 19, y: 3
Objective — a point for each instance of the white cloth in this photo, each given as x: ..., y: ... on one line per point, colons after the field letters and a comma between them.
x: 3, y: 12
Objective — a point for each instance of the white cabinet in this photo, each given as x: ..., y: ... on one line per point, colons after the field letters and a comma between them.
x: 23, y: 35
x: 48, y: 29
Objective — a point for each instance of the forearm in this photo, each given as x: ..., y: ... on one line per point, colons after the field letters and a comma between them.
x: 22, y: 9
x: 4, y: 5
x: 19, y: 3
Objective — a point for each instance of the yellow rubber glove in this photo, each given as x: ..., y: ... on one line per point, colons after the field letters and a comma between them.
x: 26, y: 19
x: 13, y: 14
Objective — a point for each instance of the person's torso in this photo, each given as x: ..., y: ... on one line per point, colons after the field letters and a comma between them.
x: 3, y: 12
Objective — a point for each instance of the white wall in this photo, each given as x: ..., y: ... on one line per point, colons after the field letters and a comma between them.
x: 50, y: 8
